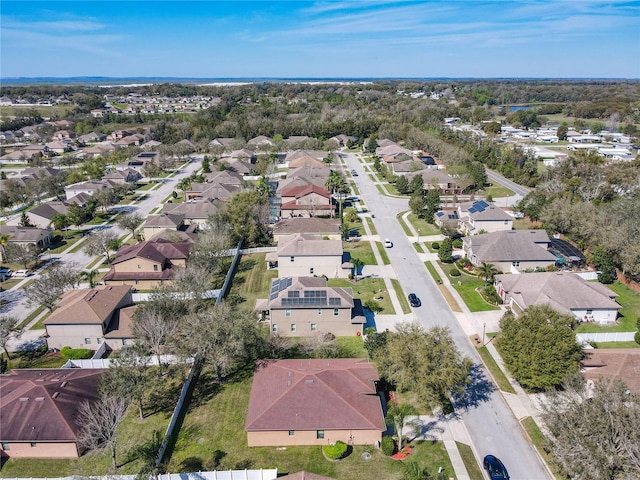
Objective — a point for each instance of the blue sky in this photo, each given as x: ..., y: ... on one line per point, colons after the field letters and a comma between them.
x: 205, y: 39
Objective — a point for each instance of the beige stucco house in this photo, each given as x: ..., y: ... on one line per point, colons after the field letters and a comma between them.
x: 38, y: 409
x: 306, y: 307
x: 306, y: 201
x: 482, y: 217
x: 314, y: 402
x: 302, y: 255
x: 325, y: 227
x: 85, y: 317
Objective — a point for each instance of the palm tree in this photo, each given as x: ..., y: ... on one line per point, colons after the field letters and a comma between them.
x: 487, y: 271
x: 89, y: 276
x: 357, y: 263
x: 4, y: 240
x: 396, y: 416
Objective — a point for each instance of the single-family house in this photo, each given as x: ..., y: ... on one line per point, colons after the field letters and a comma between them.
x: 157, y: 223
x: 510, y: 251
x: 482, y: 217
x: 39, y: 408
x: 196, y: 211
x: 90, y: 187
x: 39, y: 237
x: 437, y: 179
x: 84, y: 317
x: 260, y: 141
x: 303, y: 254
x: 221, y: 191
x: 314, y: 402
x: 306, y: 306
x: 306, y: 201
x: 123, y: 176
x: 565, y: 292
x: 300, y: 181
x: 147, y: 264
x: 325, y: 227
x: 221, y: 142
x: 41, y: 215
x: 225, y: 177
x: 613, y: 364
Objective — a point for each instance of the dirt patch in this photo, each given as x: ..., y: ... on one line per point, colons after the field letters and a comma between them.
x: 449, y: 298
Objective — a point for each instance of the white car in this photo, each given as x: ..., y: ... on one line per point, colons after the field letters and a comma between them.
x: 388, y: 243
x: 21, y: 273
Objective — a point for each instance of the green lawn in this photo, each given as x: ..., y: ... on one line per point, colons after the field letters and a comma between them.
x: 497, y: 374
x: 383, y: 253
x: 498, y: 191
x: 423, y: 227
x: 352, y: 347
x: 252, y: 279
x: 402, y: 298
x: 434, y: 273
x: 366, y: 289
x: 361, y: 250
x: 540, y: 442
x: 23, y: 360
x: 64, y: 240
x: 212, y: 436
x: 616, y: 345
x: 372, y: 227
x: 466, y: 286
x: 470, y: 462
x: 629, y: 313
x: 418, y: 247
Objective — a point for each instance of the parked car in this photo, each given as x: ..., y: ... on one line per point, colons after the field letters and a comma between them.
x: 388, y: 243
x: 5, y: 274
x: 354, y: 173
x: 21, y: 273
x: 414, y: 300
x: 495, y: 468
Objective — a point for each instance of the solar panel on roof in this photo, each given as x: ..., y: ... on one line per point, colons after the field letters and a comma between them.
x: 472, y: 210
x: 439, y: 214
x: 335, y: 301
x: 294, y: 294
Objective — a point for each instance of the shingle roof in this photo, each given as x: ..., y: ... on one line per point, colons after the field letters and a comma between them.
x: 283, y: 290
x: 41, y: 405
x: 328, y: 226
x: 49, y: 209
x: 622, y: 364
x: 88, y: 306
x: 201, y: 208
x: 164, y: 220
x: 563, y: 291
x: 510, y: 245
x: 302, y: 190
x: 157, y: 251
x: 308, y: 245
x: 314, y: 394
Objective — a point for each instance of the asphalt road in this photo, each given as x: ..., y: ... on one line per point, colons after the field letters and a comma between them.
x: 518, y: 189
x: 489, y: 421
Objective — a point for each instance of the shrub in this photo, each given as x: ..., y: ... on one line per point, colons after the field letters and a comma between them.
x: 335, y: 451
x: 374, y: 306
x: 454, y: 272
x: 636, y: 337
x: 388, y: 446
x: 490, y: 295
x: 457, y: 243
x: 75, y: 353
x: 435, y: 245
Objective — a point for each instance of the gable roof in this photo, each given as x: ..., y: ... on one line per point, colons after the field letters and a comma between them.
x: 622, y: 364
x: 329, y: 226
x: 510, y: 245
x: 155, y: 250
x: 88, y: 306
x: 483, y: 211
x: 200, y: 208
x: 307, y: 293
x: 164, y: 220
x: 49, y: 209
x: 314, y: 394
x: 42, y: 405
x: 306, y: 161
x: 302, y: 190
x: 301, y: 244
x: 562, y: 291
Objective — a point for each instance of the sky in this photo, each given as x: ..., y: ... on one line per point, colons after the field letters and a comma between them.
x: 323, y: 39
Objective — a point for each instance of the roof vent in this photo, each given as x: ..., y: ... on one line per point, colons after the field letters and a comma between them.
x: 24, y: 399
x: 64, y: 384
x: 310, y: 380
x: 55, y: 394
x: 39, y: 399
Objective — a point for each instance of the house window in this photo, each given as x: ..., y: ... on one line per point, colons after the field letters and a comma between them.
x: 515, y: 264
x: 139, y: 267
x: 319, y: 311
x: 506, y: 222
x: 291, y: 432
x: 5, y: 446
x: 589, y: 312
x: 311, y: 271
x: 336, y: 312
x: 87, y: 341
x: 155, y: 268
x: 314, y: 327
x: 137, y: 281
x: 293, y: 327
x: 33, y: 444
x: 287, y: 312
x: 274, y: 327
x: 319, y: 434
x: 99, y: 340
x: 124, y: 341
x: 292, y: 259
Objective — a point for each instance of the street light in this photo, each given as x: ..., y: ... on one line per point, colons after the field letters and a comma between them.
x: 484, y: 325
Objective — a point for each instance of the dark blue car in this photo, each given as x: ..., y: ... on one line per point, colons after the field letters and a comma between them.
x: 495, y: 468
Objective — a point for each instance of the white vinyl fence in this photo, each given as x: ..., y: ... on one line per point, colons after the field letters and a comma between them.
x: 606, y: 337
x: 261, y: 474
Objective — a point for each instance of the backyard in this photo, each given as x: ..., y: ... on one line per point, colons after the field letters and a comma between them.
x: 629, y: 313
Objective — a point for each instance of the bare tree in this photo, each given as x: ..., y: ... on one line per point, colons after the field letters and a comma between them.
x: 130, y: 221
x: 128, y: 376
x: 101, y: 242
x: 211, y: 249
x: 24, y: 254
x: 154, y: 327
x: 47, y: 289
x: 99, y: 423
x: 8, y: 330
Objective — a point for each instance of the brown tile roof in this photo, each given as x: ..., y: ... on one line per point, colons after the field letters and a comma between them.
x: 623, y: 364
x: 314, y: 394
x: 88, y: 306
x: 306, y: 162
x: 41, y: 405
x: 321, y: 226
x: 302, y: 190
x: 121, y: 326
x: 201, y: 208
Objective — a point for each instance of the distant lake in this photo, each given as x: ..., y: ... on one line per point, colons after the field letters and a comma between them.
x: 515, y: 108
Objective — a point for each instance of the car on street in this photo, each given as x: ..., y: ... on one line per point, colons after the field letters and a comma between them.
x: 414, y: 300
x: 495, y: 468
x: 388, y: 243
x: 21, y: 273
x: 354, y: 173
x: 5, y: 273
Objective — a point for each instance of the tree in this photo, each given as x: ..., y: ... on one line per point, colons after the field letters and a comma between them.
x: 105, y: 197
x: 101, y: 242
x: 357, y: 264
x: 211, y: 249
x: 4, y: 241
x: 47, y: 288
x: 562, y: 131
x: 397, y: 415
x: 603, y: 260
x: 22, y: 253
x: 99, y: 422
x: 130, y: 221
x: 76, y: 214
x: 247, y: 214
x: 8, y: 330
x: 539, y: 347
x: 487, y: 271
x: 594, y: 432
x: 402, y: 184
x: 445, y: 252
x: 89, y: 276
x: 24, y: 221
x: 221, y: 336
x: 156, y: 322
x: 432, y: 204
x: 427, y: 363
x: 60, y: 221
x: 128, y: 376
x: 336, y: 183
x: 416, y: 186
x: 417, y: 205
x: 206, y: 164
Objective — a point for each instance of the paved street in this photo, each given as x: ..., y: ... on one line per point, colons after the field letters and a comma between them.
x: 487, y: 418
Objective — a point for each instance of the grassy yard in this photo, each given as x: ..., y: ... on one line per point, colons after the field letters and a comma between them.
x: 470, y: 462
x: 361, y: 250
x: 372, y: 227
x: 132, y: 433
x: 352, y: 347
x: 367, y: 289
x: 629, y: 313
x: 497, y: 191
x: 466, y: 286
x: 539, y: 441
x: 212, y: 436
x: 423, y: 227
x: 31, y: 316
x: 402, y: 298
x: 497, y: 374
x: 252, y: 279
x: 434, y: 273
x: 64, y: 240
x: 383, y: 253
x: 616, y: 345
x: 24, y: 360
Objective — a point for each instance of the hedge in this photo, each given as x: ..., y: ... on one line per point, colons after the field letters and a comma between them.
x: 388, y: 446
x: 75, y: 353
x: 454, y: 272
x: 335, y: 451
